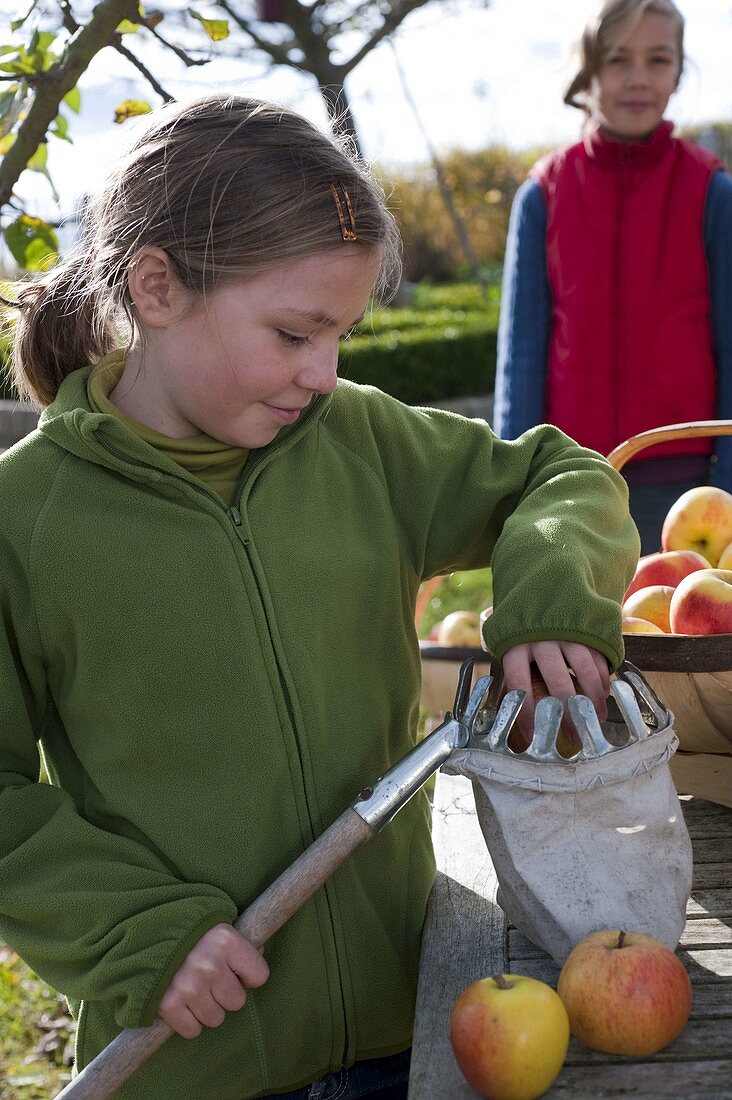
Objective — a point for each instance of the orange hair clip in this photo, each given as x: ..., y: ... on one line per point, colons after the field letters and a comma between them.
x: 348, y: 231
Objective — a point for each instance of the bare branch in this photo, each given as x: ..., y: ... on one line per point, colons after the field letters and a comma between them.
x: 118, y: 43
x: 184, y: 57
x: 278, y: 53
x: 81, y: 48
x: 165, y: 96
x: 392, y: 20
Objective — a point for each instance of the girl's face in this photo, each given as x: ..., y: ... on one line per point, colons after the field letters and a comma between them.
x: 246, y: 361
x: 639, y: 72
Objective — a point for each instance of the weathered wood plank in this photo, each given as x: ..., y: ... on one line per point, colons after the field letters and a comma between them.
x: 709, y: 824
x: 715, y: 849
x: 700, y: 1080
x: 696, y: 1041
x: 716, y: 903
x: 710, y: 875
x: 464, y: 938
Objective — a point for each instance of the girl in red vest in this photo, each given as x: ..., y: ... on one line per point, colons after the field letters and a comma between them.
x: 618, y: 268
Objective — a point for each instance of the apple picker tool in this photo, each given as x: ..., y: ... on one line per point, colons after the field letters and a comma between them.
x: 593, y: 841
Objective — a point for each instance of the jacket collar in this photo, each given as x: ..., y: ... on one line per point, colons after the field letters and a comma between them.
x: 609, y: 152
x: 101, y: 438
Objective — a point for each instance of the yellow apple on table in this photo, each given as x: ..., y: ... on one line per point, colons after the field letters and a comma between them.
x: 666, y: 567
x: 460, y: 628
x: 510, y: 1036
x: 652, y: 603
x: 725, y: 562
x: 701, y: 520
x: 625, y: 993
x: 632, y: 625
x: 702, y: 603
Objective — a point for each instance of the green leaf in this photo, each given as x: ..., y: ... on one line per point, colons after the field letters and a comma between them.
x: 37, y: 162
x: 61, y: 128
x: 5, y: 143
x: 18, y: 23
x: 216, y: 29
x: 32, y: 243
x: 128, y: 27
x: 72, y: 99
x: 129, y: 108
x: 11, y: 106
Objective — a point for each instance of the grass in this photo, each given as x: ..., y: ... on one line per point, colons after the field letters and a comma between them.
x: 36, y: 1034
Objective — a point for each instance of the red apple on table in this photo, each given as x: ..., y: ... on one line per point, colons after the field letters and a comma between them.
x: 667, y: 567
x: 633, y: 625
x: 510, y: 1036
x: 460, y: 628
x: 701, y: 520
x: 625, y: 993
x: 702, y: 603
x: 652, y: 603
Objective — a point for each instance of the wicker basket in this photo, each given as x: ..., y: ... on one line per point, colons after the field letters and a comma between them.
x: 692, y: 674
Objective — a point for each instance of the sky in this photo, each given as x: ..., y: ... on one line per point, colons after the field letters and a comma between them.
x: 477, y: 74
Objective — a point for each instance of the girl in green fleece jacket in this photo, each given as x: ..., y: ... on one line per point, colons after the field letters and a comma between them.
x: 211, y: 549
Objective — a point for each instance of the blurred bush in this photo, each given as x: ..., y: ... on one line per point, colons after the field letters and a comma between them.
x: 483, y: 186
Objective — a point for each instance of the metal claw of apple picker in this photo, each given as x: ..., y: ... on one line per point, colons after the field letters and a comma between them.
x: 476, y: 717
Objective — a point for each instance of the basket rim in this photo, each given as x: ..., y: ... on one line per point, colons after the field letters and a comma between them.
x: 650, y: 652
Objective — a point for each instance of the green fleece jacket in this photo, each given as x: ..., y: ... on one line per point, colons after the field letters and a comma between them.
x: 210, y: 687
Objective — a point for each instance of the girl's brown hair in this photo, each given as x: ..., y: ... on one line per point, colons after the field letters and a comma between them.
x: 599, y: 34
x: 229, y: 188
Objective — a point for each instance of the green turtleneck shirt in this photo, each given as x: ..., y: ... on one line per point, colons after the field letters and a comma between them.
x: 218, y: 465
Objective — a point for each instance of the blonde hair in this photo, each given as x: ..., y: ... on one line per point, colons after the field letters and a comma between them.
x: 228, y: 187
x: 599, y: 32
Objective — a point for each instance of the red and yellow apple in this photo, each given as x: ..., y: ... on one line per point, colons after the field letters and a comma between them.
x: 460, y: 628
x: 633, y: 625
x: 725, y: 561
x: 700, y: 520
x: 510, y: 1036
x: 667, y: 568
x: 652, y: 603
x: 702, y: 603
x: 625, y: 993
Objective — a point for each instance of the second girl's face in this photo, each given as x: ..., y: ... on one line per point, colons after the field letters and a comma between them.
x: 637, y: 76
x: 248, y: 360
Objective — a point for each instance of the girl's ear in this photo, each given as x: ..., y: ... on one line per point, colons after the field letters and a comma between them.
x: 157, y: 292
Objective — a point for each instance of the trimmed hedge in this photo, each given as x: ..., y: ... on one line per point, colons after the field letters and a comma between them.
x: 443, y: 346
x: 455, y: 359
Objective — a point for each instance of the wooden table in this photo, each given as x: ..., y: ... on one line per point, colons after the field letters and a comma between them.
x: 467, y: 937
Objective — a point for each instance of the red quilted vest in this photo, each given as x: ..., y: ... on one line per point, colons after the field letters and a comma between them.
x: 631, y: 345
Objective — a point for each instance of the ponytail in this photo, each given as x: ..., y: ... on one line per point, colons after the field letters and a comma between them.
x: 62, y: 325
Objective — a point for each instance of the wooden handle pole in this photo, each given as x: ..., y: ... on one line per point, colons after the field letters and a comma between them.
x: 132, y: 1047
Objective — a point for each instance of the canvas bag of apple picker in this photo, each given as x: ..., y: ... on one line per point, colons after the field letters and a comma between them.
x: 596, y: 841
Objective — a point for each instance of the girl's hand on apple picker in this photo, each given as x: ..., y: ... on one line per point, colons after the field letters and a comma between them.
x: 554, y: 660
x: 212, y: 980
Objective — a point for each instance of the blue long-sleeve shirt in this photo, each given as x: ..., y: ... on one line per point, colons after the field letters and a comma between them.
x: 525, y: 325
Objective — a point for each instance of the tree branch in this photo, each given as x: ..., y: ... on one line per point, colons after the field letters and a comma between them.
x: 393, y: 19
x: 60, y: 79
x: 165, y: 96
x: 118, y: 43
x: 277, y: 52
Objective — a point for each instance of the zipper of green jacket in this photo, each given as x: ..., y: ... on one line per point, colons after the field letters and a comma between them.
x: 243, y: 534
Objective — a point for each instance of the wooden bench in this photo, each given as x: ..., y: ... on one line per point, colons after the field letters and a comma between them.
x: 467, y: 937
